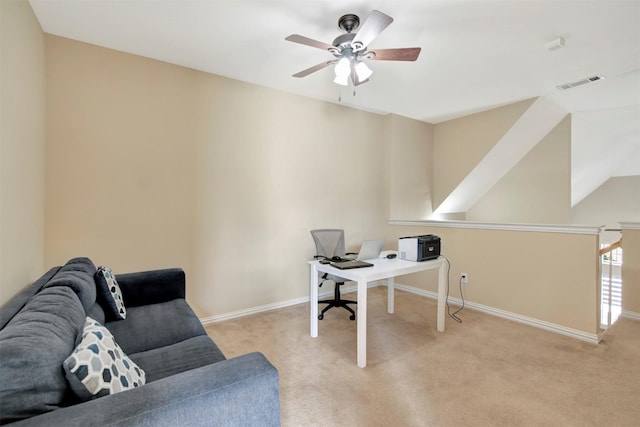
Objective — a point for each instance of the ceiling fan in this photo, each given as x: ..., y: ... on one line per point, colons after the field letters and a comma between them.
x: 350, y: 49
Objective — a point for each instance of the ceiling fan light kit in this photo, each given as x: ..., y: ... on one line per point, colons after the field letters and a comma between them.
x: 346, y: 67
x: 343, y: 71
x: 363, y: 71
x: 351, y: 49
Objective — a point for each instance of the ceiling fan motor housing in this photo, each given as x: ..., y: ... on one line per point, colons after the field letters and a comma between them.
x: 348, y: 22
x: 343, y: 40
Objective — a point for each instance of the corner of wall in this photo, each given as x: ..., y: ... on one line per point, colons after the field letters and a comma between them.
x: 410, y: 167
x: 631, y: 269
x: 22, y: 148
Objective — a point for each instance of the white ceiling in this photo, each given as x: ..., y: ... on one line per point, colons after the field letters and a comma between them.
x: 476, y: 55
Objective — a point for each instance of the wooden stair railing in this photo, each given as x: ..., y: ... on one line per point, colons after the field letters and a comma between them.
x: 614, y: 245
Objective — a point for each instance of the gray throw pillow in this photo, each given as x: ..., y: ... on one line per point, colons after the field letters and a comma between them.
x: 109, y: 294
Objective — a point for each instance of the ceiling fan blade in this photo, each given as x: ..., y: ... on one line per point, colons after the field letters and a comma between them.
x: 403, y: 54
x: 313, y: 69
x: 297, y: 38
x: 372, y: 27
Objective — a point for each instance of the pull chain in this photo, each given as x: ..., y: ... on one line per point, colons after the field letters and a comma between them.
x: 340, y: 94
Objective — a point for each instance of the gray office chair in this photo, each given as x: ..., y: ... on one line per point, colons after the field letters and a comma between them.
x: 330, y: 244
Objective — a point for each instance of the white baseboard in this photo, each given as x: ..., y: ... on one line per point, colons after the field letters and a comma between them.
x: 552, y: 327
x: 630, y: 315
x: 252, y: 310
x: 268, y: 307
x: 559, y: 329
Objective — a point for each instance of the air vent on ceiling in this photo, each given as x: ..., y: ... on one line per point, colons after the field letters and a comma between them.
x: 580, y: 82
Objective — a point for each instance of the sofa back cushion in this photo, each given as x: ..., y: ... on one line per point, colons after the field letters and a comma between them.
x: 77, y: 274
x: 33, y: 346
x: 96, y: 312
x: 156, y: 325
x: 15, y: 304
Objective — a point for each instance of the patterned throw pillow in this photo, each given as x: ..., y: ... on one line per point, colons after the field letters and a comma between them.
x: 109, y: 294
x: 98, y: 366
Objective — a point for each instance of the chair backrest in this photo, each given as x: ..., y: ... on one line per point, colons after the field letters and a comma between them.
x: 329, y: 242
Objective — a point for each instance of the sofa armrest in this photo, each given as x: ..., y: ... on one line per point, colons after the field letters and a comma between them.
x: 243, y: 391
x: 152, y: 287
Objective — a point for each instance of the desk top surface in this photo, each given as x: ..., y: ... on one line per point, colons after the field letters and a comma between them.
x: 383, y: 268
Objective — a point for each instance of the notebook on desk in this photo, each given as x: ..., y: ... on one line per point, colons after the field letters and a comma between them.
x: 347, y: 265
x: 370, y: 249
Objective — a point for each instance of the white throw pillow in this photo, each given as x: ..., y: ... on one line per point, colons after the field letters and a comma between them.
x: 98, y: 366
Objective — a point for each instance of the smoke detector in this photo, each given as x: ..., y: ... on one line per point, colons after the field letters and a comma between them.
x: 555, y: 44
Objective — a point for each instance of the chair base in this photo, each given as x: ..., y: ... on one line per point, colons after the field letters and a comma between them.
x: 337, y: 302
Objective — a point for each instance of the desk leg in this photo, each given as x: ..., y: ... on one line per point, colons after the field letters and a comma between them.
x: 361, y: 349
x: 441, y: 296
x: 390, y: 295
x: 313, y: 300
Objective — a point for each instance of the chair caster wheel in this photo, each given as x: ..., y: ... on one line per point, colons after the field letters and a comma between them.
x: 352, y: 317
x: 321, y: 316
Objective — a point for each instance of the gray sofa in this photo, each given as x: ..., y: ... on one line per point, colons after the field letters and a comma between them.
x: 188, y: 380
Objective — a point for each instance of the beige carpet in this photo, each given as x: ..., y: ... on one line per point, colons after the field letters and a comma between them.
x: 486, y: 371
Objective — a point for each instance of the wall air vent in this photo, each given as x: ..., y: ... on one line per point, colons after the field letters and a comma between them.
x: 580, y: 82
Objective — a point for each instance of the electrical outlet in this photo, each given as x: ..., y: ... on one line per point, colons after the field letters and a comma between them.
x: 464, y: 277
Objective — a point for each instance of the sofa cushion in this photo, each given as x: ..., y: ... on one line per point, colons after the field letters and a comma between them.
x: 33, y: 346
x: 77, y: 274
x: 96, y: 312
x: 180, y: 357
x: 152, y: 287
x: 156, y: 325
x: 13, y: 306
x: 109, y: 294
x: 98, y: 367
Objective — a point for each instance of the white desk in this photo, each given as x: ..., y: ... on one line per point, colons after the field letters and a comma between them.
x: 382, y: 269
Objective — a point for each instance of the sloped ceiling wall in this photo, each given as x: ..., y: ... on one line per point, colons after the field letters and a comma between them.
x: 510, y: 164
x: 461, y: 144
x: 537, y: 189
x: 606, y: 143
x: 615, y: 201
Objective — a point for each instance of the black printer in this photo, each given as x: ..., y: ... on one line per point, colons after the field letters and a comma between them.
x: 419, y: 248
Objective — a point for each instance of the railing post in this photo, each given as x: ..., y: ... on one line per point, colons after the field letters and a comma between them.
x: 604, y: 251
x: 610, y: 286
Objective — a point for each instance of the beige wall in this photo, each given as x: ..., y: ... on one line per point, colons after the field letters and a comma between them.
x: 552, y: 277
x: 120, y: 158
x: 535, y: 191
x: 271, y: 167
x: 22, y: 147
x: 618, y: 199
x: 152, y: 165
x: 410, y: 168
x: 631, y: 271
x: 460, y: 144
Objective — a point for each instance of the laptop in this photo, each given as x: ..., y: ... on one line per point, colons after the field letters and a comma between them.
x: 370, y: 249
